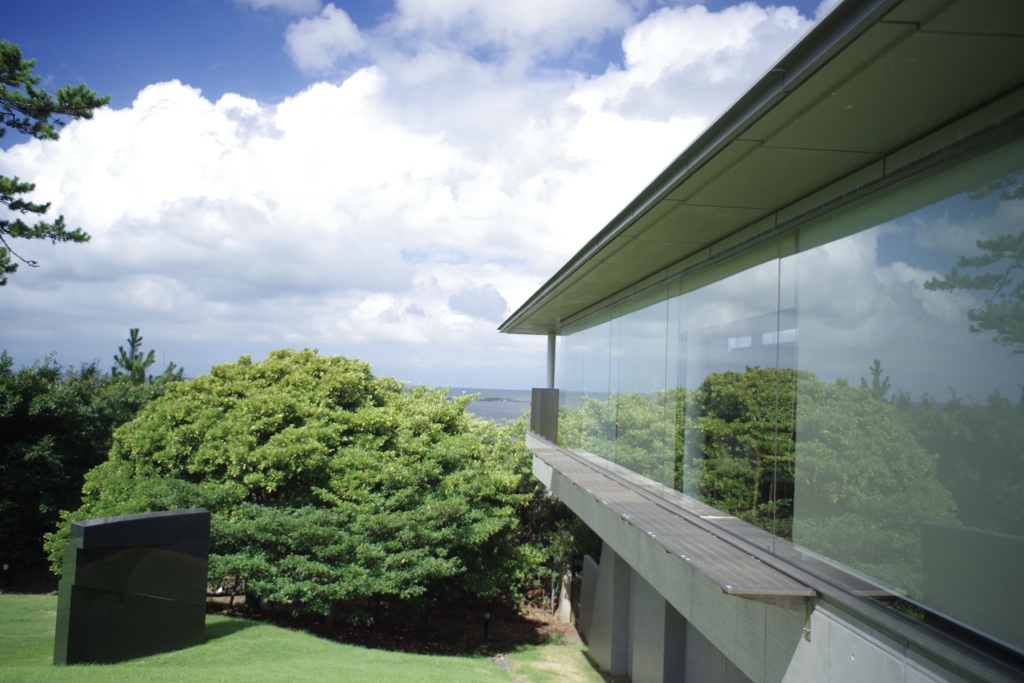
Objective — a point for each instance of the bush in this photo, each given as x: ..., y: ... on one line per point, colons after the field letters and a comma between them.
x: 328, y: 485
x: 55, y: 425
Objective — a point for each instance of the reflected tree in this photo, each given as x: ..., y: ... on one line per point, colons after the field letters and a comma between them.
x: 995, y: 271
x: 879, y: 386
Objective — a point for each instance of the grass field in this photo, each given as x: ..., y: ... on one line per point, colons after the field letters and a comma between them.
x: 240, y: 650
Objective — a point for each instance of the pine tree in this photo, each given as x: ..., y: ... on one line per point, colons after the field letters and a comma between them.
x: 133, y: 363
x: 30, y: 110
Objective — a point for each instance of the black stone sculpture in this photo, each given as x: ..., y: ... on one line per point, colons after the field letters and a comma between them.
x: 133, y: 586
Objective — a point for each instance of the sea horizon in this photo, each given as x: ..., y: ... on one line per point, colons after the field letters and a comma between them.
x: 498, y: 405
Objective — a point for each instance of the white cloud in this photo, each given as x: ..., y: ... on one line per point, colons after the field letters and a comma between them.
x: 825, y: 7
x: 317, y: 43
x: 960, y: 235
x: 395, y: 213
x: 689, y: 61
x: 526, y: 27
x: 484, y: 302
x: 304, y: 7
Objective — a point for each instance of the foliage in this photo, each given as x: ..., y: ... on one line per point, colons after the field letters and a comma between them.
x: 736, y: 436
x: 1002, y: 311
x: 865, y: 484
x: 30, y: 110
x: 132, y: 364
x: 756, y: 444
x: 55, y: 425
x: 879, y: 386
x: 631, y: 429
x: 981, y: 456
x: 328, y: 486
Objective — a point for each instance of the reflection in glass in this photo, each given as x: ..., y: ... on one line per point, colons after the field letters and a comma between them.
x: 910, y: 432
x: 862, y: 396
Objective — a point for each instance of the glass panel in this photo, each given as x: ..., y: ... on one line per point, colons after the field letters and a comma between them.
x: 730, y: 341
x: 861, y: 396
x: 909, y: 427
x: 586, y: 382
x: 643, y: 412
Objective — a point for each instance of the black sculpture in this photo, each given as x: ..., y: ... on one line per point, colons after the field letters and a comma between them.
x: 133, y: 586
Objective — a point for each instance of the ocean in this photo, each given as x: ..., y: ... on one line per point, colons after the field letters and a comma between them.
x: 499, y: 405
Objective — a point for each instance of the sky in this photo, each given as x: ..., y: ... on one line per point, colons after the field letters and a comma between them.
x: 385, y: 180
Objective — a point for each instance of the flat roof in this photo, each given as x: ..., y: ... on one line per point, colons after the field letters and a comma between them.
x: 849, y: 105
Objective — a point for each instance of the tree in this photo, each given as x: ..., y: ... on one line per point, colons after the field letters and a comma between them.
x: 330, y: 489
x: 132, y: 364
x: 829, y: 466
x: 879, y: 385
x: 55, y: 425
x: 30, y: 110
x: 864, y: 485
x: 998, y: 269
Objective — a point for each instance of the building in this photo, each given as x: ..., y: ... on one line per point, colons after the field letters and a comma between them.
x: 789, y: 371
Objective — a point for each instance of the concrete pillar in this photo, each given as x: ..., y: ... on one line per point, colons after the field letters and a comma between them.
x: 608, y: 640
x: 551, y: 361
x: 565, y: 599
x: 588, y: 589
x: 544, y: 413
x: 658, y: 650
x: 674, y: 662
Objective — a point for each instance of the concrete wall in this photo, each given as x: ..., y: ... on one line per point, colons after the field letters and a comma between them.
x: 651, y: 614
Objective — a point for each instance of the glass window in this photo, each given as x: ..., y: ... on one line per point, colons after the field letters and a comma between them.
x: 860, y: 394
x: 909, y: 427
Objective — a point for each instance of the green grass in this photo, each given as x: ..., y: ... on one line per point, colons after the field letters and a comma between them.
x: 555, y: 662
x: 235, y: 650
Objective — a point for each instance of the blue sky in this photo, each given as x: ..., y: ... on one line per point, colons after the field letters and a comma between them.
x: 382, y: 180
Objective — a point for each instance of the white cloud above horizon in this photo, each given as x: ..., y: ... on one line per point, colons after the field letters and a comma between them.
x: 437, y: 173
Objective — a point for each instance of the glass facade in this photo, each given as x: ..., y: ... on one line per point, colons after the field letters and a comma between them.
x: 855, y: 387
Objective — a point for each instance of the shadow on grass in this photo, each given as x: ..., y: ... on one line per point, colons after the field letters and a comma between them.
x: 604, y: 674
x: 222, y: 629
x: 455, y: 629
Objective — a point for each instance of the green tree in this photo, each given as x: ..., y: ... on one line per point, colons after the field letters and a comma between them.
x: 133, y: 363
x: 996, y: 271
x: 879, y: 386
x: 30, y: 110
x: 865, y: 485
x: 735, y: 444
x: 330, y: 489
x: 828, y: 465
x: 55, y: 425
x: 980, y: 445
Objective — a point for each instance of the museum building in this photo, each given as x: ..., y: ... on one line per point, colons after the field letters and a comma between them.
x: 790, y: 371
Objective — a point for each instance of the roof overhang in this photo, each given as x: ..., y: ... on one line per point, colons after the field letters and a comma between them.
x: 850, y: 103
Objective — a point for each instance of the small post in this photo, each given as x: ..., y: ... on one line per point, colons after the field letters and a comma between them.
x: 551, y: 362
x: 487, y: 626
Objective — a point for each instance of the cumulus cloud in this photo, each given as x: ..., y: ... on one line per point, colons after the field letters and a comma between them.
x: 395, y: 210
x: 484, y: 302
x: 692, y: 50
x: 317, y: 43
x: 291, y: 6
x: 515, y: 29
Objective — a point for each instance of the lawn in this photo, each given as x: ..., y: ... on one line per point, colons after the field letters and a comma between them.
x: 240, y: 650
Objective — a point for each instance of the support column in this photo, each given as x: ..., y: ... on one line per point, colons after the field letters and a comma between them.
x: 551, y: 361
x: 659, y: 637
x: 608, y: 640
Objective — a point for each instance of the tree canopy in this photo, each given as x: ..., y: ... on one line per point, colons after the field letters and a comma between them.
x: 133, y: 363
x: 996, y: 270
x: 834, y: 467
x: 30, y: 110
x: 328, y: 485
x: 55, y: 425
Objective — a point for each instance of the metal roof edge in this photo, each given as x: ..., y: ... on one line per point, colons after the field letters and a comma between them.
x: 840, y: 27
